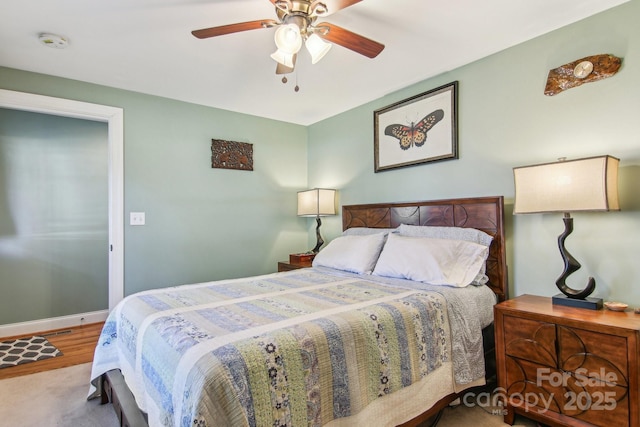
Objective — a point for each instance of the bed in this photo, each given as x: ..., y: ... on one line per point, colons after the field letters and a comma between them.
x: 370, y: 335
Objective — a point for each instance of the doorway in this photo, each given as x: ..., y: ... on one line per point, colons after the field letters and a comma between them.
x: 113, y: 117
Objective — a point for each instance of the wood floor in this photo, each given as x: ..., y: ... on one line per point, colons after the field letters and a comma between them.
x: 77, y: 345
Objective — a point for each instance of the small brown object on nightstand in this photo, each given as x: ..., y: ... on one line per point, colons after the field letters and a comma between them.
x: 303, y: 258
x: 567, y: 366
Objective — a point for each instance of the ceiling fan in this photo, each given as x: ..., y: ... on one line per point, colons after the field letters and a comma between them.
x: 297, y: 24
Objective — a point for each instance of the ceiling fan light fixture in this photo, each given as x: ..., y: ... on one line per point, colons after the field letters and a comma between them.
x: 288, y: 38
x: 296, y: 25
x: 318, y: 8
x: 317, y: 47
x: 284, y: 58
x: 284, y: 5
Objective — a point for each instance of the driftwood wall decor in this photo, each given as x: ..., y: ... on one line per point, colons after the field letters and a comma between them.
x: 585, y: 70
x: 231, y: 155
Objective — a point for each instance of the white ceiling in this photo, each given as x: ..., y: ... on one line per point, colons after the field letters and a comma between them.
x: 146, y: 46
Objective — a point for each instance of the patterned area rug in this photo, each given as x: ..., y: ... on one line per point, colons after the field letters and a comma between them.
x: 25, y: 350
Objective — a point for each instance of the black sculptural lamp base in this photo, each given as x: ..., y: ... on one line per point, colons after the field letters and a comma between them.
x: 569, y: 296
x: 319, y: 241
x: 590, y: 303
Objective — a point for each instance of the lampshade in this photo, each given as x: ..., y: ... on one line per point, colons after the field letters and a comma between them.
x: 288, y: 38
x: 317, y: 202
x: 317, y: 47
x: 284, y: 58
x: 589, y: 184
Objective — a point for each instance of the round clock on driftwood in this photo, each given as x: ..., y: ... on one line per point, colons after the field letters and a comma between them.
x: 585, y: 70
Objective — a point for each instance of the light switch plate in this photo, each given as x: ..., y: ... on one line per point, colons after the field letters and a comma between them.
x: 136, y: 218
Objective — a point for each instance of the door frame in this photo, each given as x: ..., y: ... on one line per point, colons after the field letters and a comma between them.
x: 114, y: 117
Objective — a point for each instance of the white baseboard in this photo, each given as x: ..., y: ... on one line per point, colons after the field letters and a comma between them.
x: 44, y: 325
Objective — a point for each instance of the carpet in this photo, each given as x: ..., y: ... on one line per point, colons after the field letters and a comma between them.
x: 26, y: 350
x: 58, y: 398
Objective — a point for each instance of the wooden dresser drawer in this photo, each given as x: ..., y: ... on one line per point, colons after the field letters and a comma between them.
x: 288, y: 266
x: 530, y: 340
x: 551, y: 390
x: 593, y: 354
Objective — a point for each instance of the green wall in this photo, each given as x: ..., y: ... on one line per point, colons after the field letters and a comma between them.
x: 505, y: 120
x: 206, y: 224
x: 201, y: 223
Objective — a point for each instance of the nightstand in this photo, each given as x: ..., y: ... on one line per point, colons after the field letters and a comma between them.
x: 567, y: 366
x: 286, y: 266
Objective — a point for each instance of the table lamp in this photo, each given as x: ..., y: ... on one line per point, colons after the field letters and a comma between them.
x: 589, y: 184
x: 317, y: 202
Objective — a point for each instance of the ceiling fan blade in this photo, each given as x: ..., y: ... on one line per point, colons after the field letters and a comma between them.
x: 233, y: 28
x: 335, y: 5
x: 350, y: 40
x: 332, y: 5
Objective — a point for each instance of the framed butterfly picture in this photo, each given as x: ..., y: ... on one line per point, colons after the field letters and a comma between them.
x: 420, y: 129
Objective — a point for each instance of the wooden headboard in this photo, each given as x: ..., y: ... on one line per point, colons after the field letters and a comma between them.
x: 482, y: 213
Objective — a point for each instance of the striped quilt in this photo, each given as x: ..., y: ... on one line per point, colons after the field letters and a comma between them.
x: 301, y: 348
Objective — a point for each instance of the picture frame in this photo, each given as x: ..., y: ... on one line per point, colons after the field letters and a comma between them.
x: 231, y: 155
x: 416, y: 130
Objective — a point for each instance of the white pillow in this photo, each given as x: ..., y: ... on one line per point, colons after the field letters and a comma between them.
x: 434, y: 261
x: 357, y: 254
x: 455, y: 233
x: 365, y: 231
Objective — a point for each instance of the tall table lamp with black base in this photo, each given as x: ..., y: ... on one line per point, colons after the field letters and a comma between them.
x: 589, y: 184
x: 317, y: 202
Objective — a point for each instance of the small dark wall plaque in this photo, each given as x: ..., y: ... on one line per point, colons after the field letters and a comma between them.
x: 231, y: 155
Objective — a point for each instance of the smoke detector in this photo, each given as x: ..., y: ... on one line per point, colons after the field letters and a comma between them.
x: 53, y: 40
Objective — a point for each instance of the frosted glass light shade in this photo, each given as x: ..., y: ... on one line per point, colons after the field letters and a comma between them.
x: 284, y: 58
x: 317, y: 47
x: 317, y: 202
x: 288, y: 38
x: 589, y: 184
